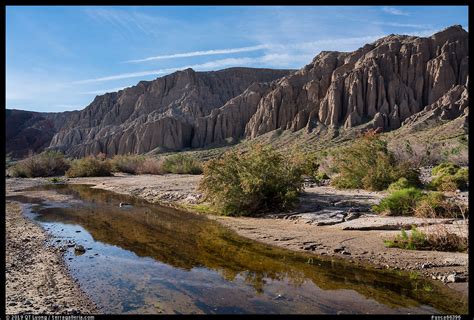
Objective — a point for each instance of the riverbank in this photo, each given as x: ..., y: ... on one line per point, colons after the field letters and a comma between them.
x: 328, y: 222
x: 37, y: 280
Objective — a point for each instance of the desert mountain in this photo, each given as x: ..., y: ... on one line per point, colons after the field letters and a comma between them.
x: 392, y: 82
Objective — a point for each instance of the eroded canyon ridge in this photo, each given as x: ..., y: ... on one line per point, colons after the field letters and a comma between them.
x: 395, y: 81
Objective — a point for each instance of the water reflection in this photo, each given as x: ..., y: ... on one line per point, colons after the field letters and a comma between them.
x: 155, y: 259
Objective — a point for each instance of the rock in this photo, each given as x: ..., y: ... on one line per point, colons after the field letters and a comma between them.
x: 311, y: 247
x: 346, y: 253
x: 79, y: 249
x: 278, y: 297
x: 352, y: 216
x: 339, y: 249
x: 454, y: 277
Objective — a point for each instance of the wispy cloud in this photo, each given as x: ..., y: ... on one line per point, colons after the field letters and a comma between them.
x: 215, y: 64
x: 394, y: 11
x: 278, y: 55
x: 127, y: 21
x: 202, y: 53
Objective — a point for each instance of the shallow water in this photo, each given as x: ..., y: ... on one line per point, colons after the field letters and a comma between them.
x: 145, y: 258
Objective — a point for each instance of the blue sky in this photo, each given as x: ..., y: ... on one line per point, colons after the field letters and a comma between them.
x: 60, y: 58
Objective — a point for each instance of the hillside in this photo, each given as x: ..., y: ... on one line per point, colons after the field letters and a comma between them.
x: 398, y: 81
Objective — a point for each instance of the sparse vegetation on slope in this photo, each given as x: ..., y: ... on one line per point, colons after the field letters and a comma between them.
x: 248, y: 183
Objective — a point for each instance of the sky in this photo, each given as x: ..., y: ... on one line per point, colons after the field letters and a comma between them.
x: 60, y: 58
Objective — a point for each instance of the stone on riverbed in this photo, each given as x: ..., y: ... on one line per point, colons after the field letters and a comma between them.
x: 321, y: 218
x: 79, y: 249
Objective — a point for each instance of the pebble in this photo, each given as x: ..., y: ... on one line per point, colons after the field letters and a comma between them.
x: 339, y: 249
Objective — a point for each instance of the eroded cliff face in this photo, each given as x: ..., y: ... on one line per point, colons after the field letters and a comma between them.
x: 152, y: 114
x: 29, y: 132
x: 385, y: 83
x: 395, y: 81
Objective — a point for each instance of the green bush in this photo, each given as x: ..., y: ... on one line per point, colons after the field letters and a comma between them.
x: 399, y: 203
x: 321, y: 176
x: 445, y: 168
x: 260, y: 180
x: 449, y: 177
x: 127, y: 163
x: 368, y: 164
x: 401, y: 183
x: 415, y: 241
x: 180, y: 163
x: 307, y: 161
x: 89, y: 167
x: 45, y: 164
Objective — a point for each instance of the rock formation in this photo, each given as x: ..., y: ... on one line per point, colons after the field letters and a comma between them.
x: 394, y: 81
x: 152, y: 114
x: 29, y: 132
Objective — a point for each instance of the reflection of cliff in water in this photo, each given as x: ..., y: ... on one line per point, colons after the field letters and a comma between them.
x: 186, y: 240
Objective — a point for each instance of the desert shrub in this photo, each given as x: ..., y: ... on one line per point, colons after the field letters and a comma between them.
x: 368, y: 164
x: 415, y: 241
x: 399, y: 203
x: 151, y: 166
x: 440, y: 239
x: 401, y: 183
x: 180, y: 163
x: 437, y: 205
x: 127, y: 163
x: 45, y: 164
x: 449, y: 177
x: 307, y: 161
x: 260, y: 180
x: 321, y: 176
x: 413, y: 202
x: 89, y: 167
x: 443, y: 240
x: 445, y: 168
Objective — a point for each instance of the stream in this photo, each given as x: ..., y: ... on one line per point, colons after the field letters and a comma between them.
x: 147, y: 259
